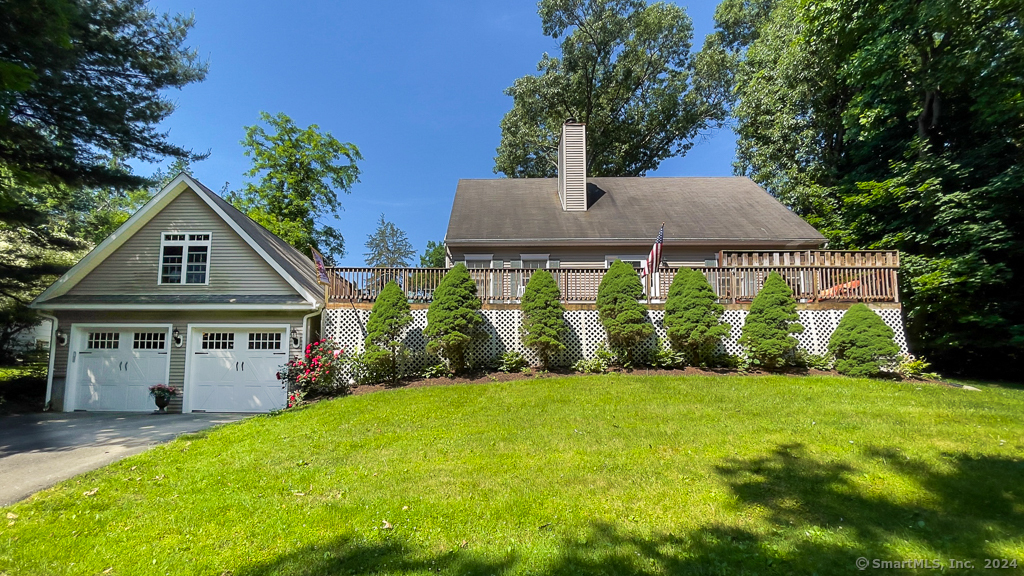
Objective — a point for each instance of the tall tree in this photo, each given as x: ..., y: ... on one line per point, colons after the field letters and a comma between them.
x: 902, y: 128
x: 301, y: 171
x: 434, y: 256
x: 82, y: 80
x: 388, y: 246
x: 626, y: 72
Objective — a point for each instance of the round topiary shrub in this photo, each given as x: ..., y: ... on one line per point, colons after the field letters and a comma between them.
x: 623, y: 317
x: 693, y: 317
x: 389, y: 318
x: 862, y: 343
x: 770, y: 324
x: 453, y: 319
x: 543, y: 325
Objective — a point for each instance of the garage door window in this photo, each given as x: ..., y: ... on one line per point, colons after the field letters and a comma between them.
x: 149, y: 341
x: 218, y: 340
x: 102, y: 340
x: 264, y: 340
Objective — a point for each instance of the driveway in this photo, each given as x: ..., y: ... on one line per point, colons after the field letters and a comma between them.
x: 39, y: 450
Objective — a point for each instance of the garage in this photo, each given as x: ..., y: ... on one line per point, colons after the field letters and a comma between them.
x: 234, y: 368
x: 113, y: 366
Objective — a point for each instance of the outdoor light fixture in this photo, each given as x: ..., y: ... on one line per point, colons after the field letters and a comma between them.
x: 177, y: 338
x: 295, y: 337
x: 62, y: 338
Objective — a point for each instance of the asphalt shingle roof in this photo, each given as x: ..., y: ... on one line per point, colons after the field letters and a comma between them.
x: 695, y: 211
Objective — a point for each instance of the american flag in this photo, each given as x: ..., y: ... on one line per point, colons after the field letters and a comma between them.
x: 654, y: 258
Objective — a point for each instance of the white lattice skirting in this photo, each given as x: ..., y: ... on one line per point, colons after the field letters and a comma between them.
x: 347, y: 328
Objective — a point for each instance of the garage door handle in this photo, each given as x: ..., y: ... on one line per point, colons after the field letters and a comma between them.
x: 243, y: 366
x: 236, y: 366
x: 119, y: 366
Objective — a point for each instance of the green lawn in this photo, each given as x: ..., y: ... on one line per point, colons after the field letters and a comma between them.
x: 603, y: 475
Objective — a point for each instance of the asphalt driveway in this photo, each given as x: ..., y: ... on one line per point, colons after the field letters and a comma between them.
x: 39, y: 450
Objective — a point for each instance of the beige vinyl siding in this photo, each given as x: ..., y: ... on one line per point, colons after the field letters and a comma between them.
x: 180, y: 321
x: 593, y: 257
x: 235, y: 268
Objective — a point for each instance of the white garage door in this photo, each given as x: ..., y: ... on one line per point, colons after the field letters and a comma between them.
x: 235, y: 369
x: 115, y: 366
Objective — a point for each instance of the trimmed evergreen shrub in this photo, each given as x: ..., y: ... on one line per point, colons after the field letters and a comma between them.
x: 770, y: 324
x: 862, y: 343
x: 453, y: 319
x: 389, y: 317
x: 693, y: 318
x: 624, y: 318
x: 543, y: 325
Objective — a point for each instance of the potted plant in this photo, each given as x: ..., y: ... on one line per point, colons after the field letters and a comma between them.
x: 162, y: 393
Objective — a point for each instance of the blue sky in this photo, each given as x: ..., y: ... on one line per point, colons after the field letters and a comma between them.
x: 417, y: 86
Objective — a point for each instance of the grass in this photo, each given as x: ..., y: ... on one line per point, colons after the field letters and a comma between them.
x: 582, y: 475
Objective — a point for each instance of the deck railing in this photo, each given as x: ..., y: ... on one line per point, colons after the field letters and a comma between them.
x: 813, y: 276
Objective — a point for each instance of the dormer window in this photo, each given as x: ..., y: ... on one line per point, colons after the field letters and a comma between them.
x: 185, y: 258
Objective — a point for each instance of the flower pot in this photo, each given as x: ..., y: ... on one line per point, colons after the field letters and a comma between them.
x: 162, y: 402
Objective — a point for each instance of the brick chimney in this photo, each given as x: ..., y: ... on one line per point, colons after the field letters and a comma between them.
x: 572, y: 167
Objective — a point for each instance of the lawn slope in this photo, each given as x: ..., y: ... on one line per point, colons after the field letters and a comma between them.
x: 602, y: 474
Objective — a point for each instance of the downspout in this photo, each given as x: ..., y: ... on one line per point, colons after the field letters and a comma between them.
x: 305, y: 326
x: 53, y: 354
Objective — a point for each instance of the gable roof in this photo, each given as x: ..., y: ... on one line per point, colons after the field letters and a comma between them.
x: 292, y: 265
x: 722, y: 211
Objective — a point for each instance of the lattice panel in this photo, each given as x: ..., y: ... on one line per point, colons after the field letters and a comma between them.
x: 585, y: 334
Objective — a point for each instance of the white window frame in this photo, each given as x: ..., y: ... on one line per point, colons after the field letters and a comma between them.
x: 185, y: 244
x: 546, y: 258
x: 608, y: 260
x: 477, y: 258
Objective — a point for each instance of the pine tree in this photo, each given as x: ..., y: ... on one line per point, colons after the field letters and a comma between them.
x: 543, y: 317
x: 388, y: 319
x: 767, y: 331
x: 862, y: 343
x: 693, y: 317
x: 453, y: 319
x: 622, y: 315
x: 388, y: 246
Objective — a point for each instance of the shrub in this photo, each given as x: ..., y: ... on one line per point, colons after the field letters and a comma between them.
x: 512, y: 361
x: 910, y: 367
x: 623, y: 317
x: 862, y: 344
x: 439, y: 370
x: 389, y: 318
x: 543, y: 317
x: 592, y: 366
x: 317, y: 372
x: 662, y: 356
x: 693, y: 318
x: 767, y: 331
x: 453, y: 319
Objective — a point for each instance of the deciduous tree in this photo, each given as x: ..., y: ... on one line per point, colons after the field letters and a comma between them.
x: 300, y: 171
x: 625, y: 70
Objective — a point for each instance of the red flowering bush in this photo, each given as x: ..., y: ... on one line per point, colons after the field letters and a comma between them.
x: 316, y: 373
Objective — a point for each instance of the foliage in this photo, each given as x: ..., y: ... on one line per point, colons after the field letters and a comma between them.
x: 543, y: 325
x: 301, y: 171
x: 388, y: 246
x: 815, y: 361
x: 770, y: 323
x: 693, y: 317
x: 623, y: 317
x: 453, y: 319
x: 908, y: 366
x: 862, y: 344
x: 663, y: 356
x: 163, y: 391
x: 439, y: 370
x: 512, y: 361
x: 389, y: 318
x: 433, y: 256
x: 80, y: 80
x: 626, y: 72
x: 900, y: 128
x: 317, y: 372
x: 592, y: 366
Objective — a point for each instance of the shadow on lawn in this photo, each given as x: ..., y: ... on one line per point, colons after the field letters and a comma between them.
x: 817, y: 517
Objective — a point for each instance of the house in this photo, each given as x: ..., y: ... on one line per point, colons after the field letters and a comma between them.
x: 189, y: 292
x: 577, y: 222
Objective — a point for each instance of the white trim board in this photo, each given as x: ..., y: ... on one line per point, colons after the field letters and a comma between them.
x: 268, y: 307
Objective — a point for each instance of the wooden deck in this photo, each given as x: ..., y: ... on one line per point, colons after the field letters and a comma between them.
x: 814, y: 276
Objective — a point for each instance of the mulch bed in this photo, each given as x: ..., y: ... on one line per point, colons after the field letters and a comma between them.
x: 482, y: 377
